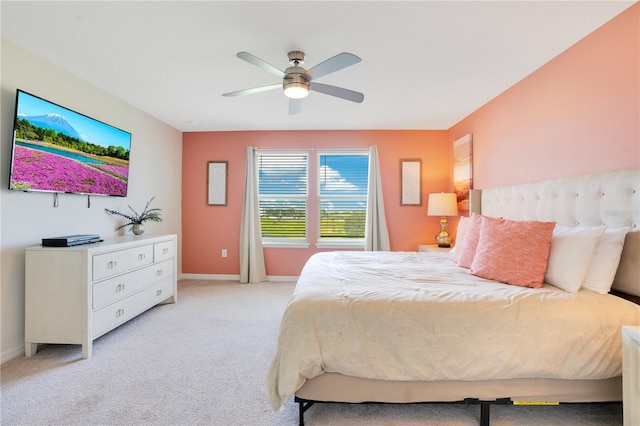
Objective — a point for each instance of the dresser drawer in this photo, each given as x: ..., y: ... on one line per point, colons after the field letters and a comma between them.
x: 112, y: 289
x: 110, y: 264
x: 123, y: 310
x: 163, y: 251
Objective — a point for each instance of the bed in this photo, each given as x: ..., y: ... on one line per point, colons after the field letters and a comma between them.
x: 402, y: 327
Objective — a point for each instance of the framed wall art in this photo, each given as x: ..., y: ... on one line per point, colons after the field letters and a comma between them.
x: 463, y: 170
x: 411, y: 182
x: 217, y: 183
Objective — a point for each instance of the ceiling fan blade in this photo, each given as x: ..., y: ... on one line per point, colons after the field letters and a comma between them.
x: 338, y: 92
x: 295, y: 106
x: 254, y: 90
x: 333, y: 64
x: 252, y: 59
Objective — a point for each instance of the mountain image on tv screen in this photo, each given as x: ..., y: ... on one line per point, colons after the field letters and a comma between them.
x: 56, y: 149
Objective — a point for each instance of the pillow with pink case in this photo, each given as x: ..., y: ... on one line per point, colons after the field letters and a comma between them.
x: 466, y: 246
x: 463, y: 223
x: 513, y: 252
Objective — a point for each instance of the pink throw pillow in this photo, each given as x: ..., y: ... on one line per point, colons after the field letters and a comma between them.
x: 469, y: 242
x: 513, y: 252
x: 463, y: 223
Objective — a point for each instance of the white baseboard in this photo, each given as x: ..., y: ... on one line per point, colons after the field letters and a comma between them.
x: 221, y: 277
x: 11, y: 354
x: 282, y: 278
x: 209, y: 277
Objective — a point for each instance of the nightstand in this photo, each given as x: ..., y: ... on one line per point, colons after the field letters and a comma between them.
x: 630, y: 371
x: 435, y: 248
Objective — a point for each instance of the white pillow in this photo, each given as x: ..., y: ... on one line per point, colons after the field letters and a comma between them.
x: 571, y: 252
x: 605, y: 261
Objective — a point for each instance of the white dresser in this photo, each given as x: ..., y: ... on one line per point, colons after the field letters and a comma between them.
x: 74, y: 295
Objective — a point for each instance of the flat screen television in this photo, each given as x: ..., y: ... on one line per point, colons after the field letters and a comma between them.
x: 56, y: 150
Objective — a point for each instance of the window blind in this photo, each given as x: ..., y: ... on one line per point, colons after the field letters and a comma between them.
x: 282, y: 194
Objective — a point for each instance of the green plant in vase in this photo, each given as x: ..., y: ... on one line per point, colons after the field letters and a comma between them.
x: 135, y: 220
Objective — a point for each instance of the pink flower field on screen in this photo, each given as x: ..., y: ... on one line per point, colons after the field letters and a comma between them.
x: 119, y: 171
x: 35, y: 169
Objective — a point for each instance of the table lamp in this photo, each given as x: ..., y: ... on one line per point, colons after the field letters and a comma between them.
x: 443, y: 204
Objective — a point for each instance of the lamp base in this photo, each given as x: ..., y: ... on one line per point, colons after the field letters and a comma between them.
x: 443, y: 239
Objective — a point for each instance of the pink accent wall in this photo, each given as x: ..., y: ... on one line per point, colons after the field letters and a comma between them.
x: 206, y: 230
x: 577, y: 114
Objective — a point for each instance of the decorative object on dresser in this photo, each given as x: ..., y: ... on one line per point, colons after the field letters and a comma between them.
x: 443, y: 204
x: 74, y: 295
x: 137, y: 220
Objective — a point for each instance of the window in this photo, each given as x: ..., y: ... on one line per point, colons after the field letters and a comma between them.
x: 283, y: 197
x: 342, y: 196
x: 336, y: 189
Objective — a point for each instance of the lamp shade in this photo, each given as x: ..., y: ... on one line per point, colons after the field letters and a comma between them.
x: 442, y: 204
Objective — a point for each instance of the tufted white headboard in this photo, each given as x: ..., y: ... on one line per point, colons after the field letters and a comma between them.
x: 611, y: 198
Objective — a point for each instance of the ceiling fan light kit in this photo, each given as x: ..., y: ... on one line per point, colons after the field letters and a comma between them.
x: 297, y: 81
x: 294, y: 84
x: 296, y: 90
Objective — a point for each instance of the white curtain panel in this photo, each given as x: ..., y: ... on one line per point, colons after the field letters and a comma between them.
x: 376, y: 234
x: 252, y: 269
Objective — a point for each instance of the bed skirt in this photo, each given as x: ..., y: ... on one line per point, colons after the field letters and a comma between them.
x: 332, y: 387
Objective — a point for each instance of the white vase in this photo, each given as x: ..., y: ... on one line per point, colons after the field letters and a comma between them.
x: 138, y: 228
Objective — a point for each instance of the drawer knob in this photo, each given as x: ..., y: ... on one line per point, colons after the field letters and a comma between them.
x: 119, y: 313
x: 158, y: 292
x: 158, y: 272
x: 119, y: 287
x: 141, y: 256
x: 112, y: 264
x: 165, y: 250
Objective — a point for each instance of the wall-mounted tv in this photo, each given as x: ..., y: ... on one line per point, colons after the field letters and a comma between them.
x: 56, y: 149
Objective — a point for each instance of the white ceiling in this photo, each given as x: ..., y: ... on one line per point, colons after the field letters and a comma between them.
x: 425, y: 64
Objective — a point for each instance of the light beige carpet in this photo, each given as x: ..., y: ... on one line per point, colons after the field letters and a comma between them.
x: 204, y: 361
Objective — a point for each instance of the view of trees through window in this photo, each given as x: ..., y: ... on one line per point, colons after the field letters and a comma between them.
x: 342, y: 193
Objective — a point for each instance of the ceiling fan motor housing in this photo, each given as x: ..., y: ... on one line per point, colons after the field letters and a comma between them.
x: 294, y: 84
x: 296, y: 57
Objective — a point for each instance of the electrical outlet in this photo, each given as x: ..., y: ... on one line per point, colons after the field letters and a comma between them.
x: 224, y: 252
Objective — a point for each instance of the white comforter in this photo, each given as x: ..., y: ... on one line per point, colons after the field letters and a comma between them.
x: 418, y: 316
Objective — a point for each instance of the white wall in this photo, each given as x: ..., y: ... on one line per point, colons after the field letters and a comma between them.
x: 155, y: 170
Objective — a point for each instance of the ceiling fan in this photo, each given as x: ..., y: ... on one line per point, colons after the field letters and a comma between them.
x: 297, y: 81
